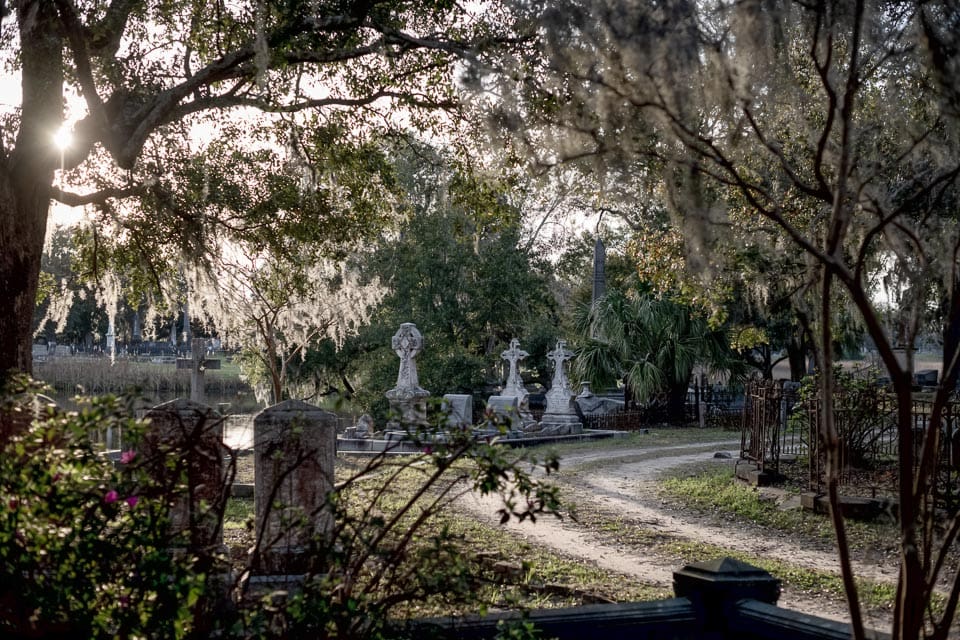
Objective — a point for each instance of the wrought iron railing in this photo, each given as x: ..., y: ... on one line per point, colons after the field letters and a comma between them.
x: 767, y: 431
x: 870, y: 441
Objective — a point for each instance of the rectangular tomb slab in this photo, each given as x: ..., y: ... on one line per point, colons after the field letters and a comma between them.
x: 185, y: 440
x: 459, y: 409
x: 294, y: 449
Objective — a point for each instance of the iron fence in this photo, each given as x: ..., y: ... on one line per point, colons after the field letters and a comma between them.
x: 722, y: 407
x: 767, y: 429
x: 870, y: 445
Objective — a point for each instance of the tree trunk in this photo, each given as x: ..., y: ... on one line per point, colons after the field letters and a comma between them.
x: 767, y: 366
x: 951, y: 334
x: 677, y: 402
x: 26, y: 176
x: 797, y: 357
x: 628, y: 400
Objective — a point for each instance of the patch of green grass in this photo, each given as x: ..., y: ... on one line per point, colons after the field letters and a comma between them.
x: 237, y: 513
x: 714, y: 490
x: 544, y: 567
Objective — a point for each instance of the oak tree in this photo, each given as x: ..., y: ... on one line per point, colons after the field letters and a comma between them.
x: 834, y: 124
x: 141, y: 81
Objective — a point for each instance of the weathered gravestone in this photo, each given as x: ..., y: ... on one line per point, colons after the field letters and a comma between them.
x: 458, y: 407
x: 408, y: 399
x: 362, y: 430
x: 505, y: 409
x: 295, y: 447
x: 591, y: 404
x: 184, y: 445
x: 560, y: 417
x: 514, y: 385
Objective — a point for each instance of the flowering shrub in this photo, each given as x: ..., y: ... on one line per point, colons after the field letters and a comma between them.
x: 80, y: 554
x: 88, y: 550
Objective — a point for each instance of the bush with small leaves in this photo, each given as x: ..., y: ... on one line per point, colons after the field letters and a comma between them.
x: 87, y: 548
x: 82, y: 554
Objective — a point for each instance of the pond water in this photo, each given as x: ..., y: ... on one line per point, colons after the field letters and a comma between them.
x: 238, y: 410
x: 244, y: 402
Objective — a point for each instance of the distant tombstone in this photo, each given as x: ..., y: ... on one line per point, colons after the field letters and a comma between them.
x: 294, y: 449
x: 599, y: 271
x: 187, y: 331
x: 361, y: 430
x: 197, y: 348
x: 505, y: 408
x: 590, y: 404
x: 514, y: 385
x: 560, y: 417
x: 364, y: 426
x: 137, y: 331
x: 559, y: 397
x: 185, y: 439
x: 458, y: 408
x: 408, y: 399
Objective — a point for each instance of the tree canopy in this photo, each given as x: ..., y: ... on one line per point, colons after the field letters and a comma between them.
x: 143, y: 85
x: 830, y: 126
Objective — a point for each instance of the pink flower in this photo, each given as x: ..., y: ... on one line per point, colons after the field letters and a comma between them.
x: 127, y: 456
x: 428, y: 449
x: 132, y: 501
x: 111, y: 496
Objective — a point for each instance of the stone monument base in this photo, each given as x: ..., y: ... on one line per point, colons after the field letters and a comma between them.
x: 408, y: 411
x: 559, y: 424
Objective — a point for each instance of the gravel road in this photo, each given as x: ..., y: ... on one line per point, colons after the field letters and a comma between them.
x: 621, y: 483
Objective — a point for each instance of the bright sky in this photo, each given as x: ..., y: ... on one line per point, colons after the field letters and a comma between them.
x: 9, y: 102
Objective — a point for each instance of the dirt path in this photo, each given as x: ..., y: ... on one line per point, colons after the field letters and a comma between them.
x: 621, y: 482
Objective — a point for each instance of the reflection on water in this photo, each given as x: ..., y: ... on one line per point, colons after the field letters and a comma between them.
x: 226, y: 404
x: 238, y: 411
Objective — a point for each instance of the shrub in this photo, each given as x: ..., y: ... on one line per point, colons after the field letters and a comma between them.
x: 81, y: 554
x: 86, y: 549
x: 863, y: 412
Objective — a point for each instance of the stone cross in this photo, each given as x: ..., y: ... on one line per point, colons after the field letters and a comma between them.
x: 560, y: 355
x: 513, y: 355
x: 560, y: 416
x: 407, y: 399
x: 407, y: 344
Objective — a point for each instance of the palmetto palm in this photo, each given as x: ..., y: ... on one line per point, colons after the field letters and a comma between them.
x: 652, y: 344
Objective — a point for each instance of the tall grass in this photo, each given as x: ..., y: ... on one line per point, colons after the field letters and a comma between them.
x: 98, y: 376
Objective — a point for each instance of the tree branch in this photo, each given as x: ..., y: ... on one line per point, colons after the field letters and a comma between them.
x: 97, y: 197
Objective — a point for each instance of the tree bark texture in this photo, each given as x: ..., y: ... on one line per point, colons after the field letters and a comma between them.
x: 26, y: 176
